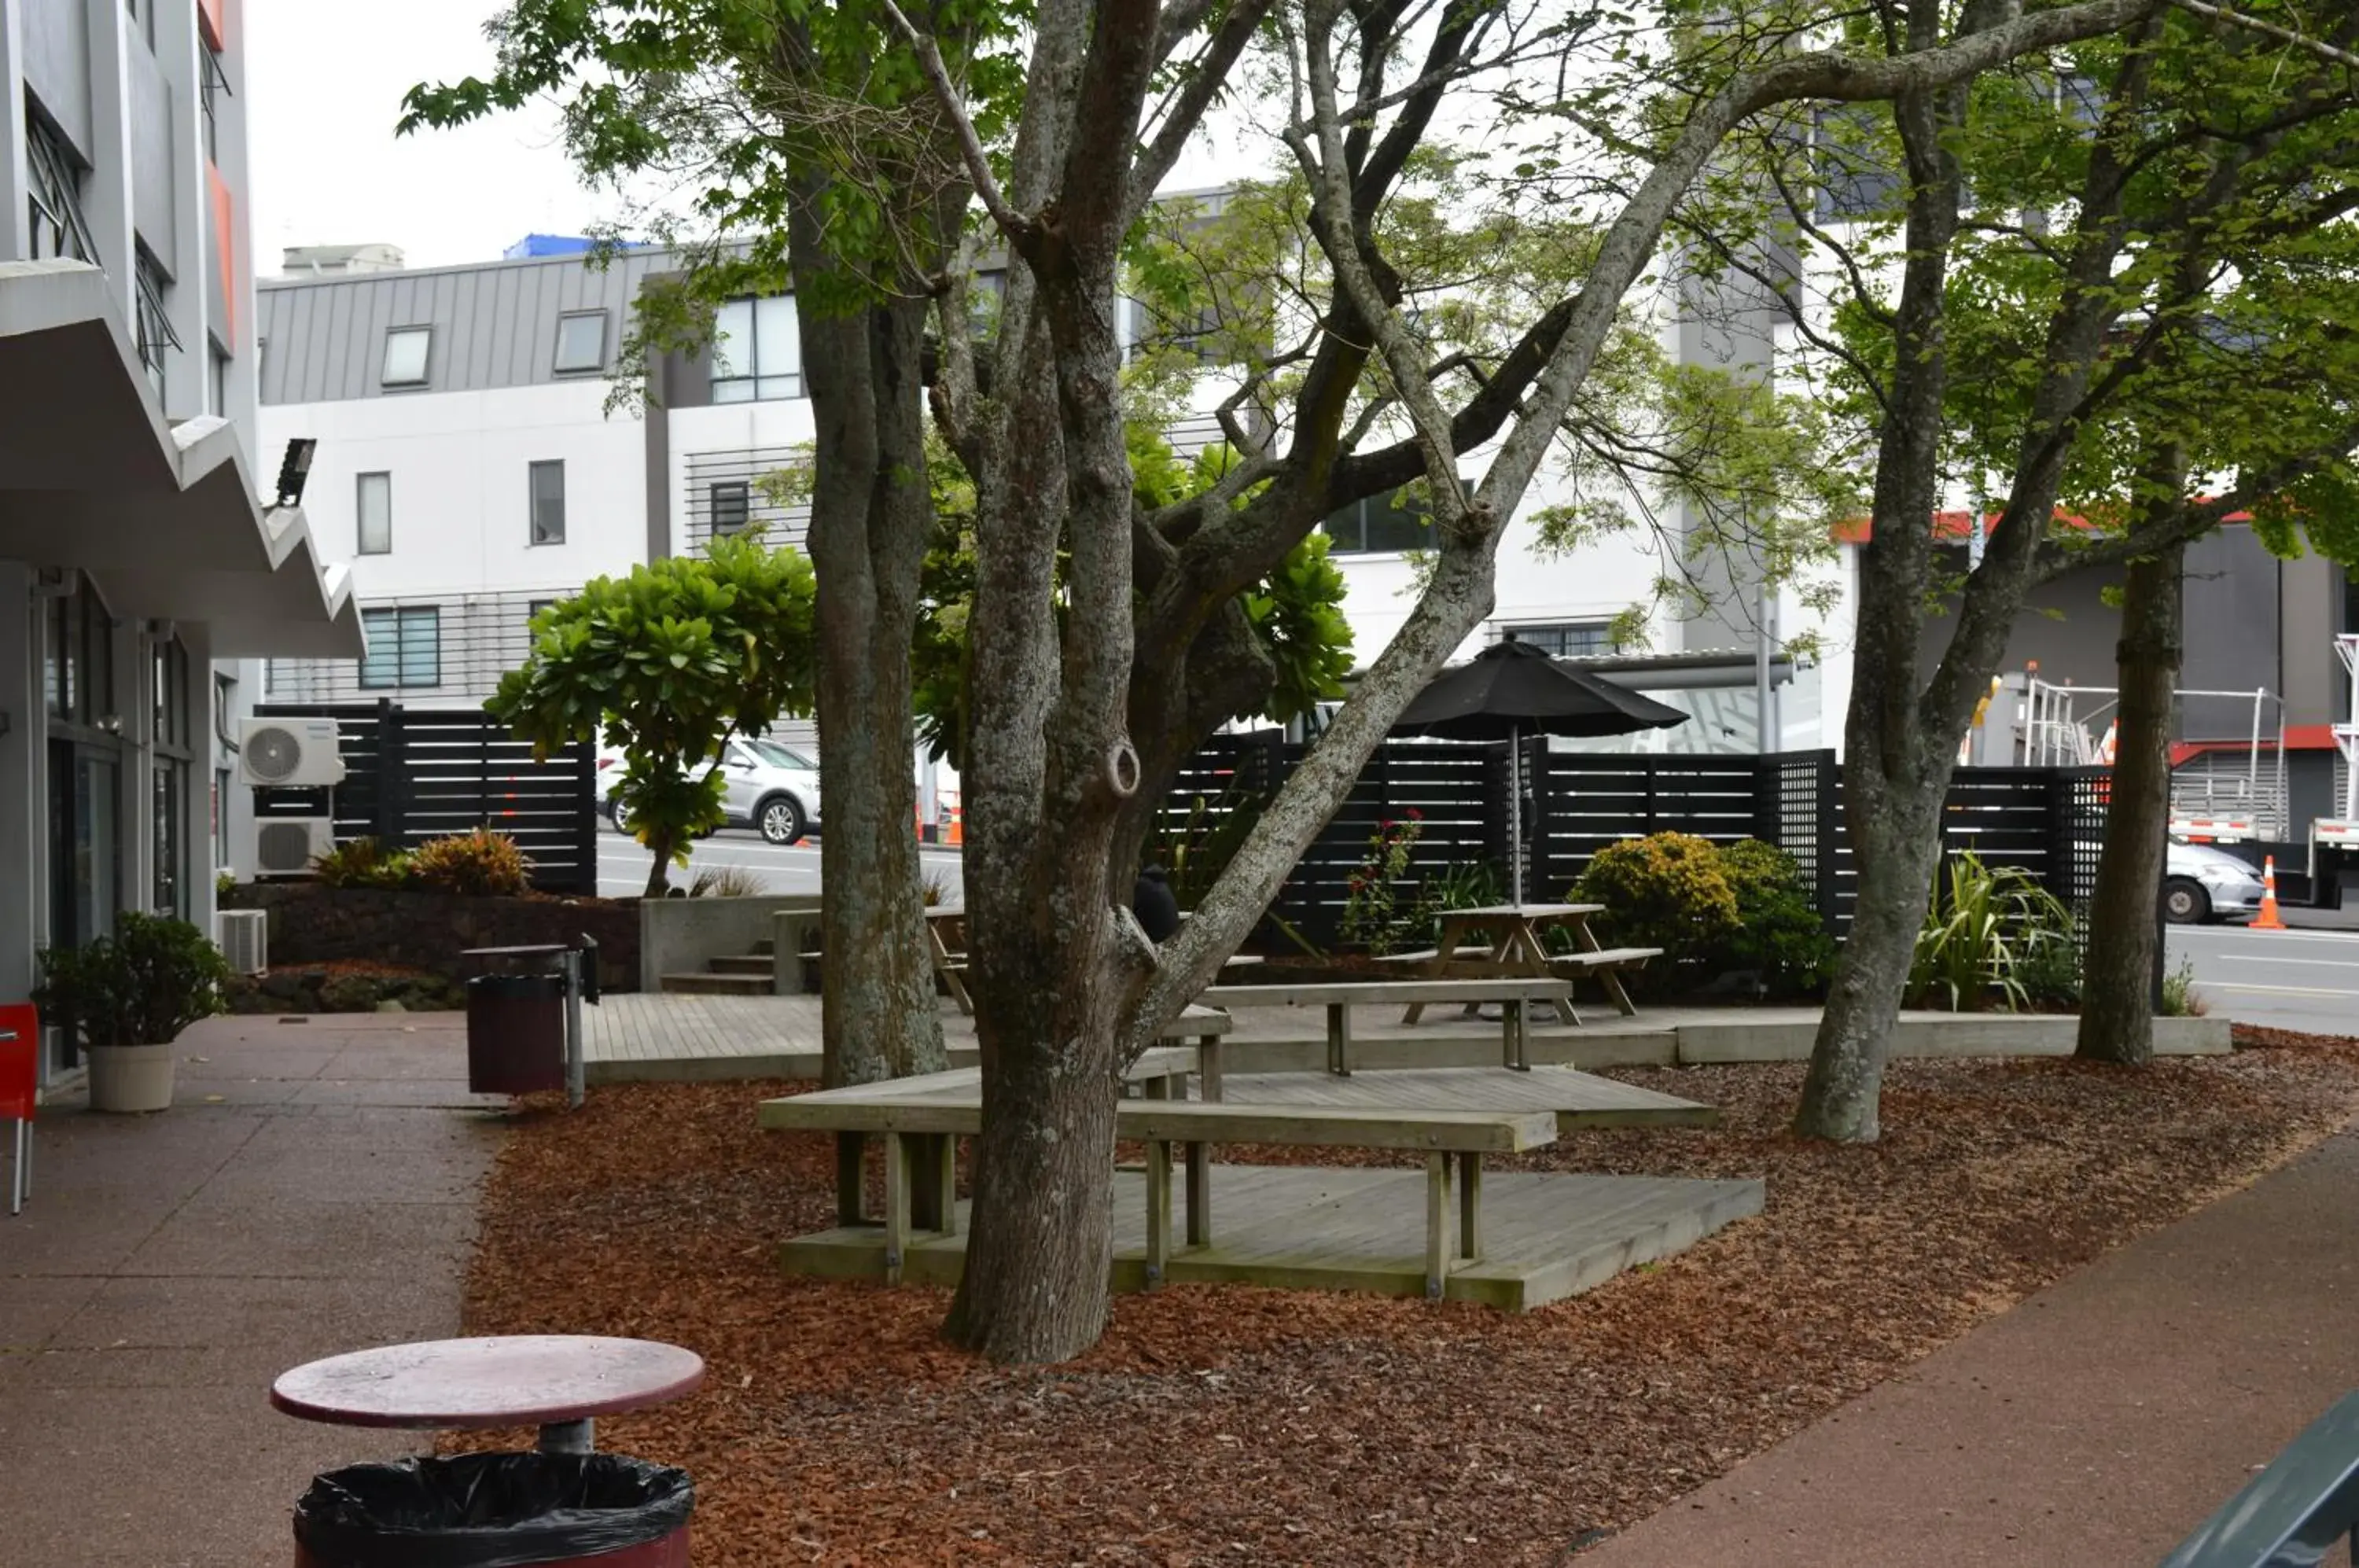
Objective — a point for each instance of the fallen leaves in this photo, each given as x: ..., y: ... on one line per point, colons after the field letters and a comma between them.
x: 1233, y: 1424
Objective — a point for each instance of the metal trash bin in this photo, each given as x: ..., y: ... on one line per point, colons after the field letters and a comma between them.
x: 515, y: 1033
x: 524, y: 1022
x: 497, y: 1510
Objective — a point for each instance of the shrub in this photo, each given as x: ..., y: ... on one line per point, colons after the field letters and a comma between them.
x: 1670, y: 892
x: 726, y: 882
x: 1981, y: 933
x: 1778, y: 933
x: 482, y: 864
x: 1372, y: 916
x: 154, y: 977
x: 363, y: 863
x: 2179, y: 997
x: 2049, y: 971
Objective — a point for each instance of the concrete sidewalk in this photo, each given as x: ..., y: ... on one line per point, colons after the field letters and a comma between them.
x: 2099, y: 1421
x: 313, y: 1190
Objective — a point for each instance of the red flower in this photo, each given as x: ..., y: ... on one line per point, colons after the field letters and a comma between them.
x: 1415, y: 815
x: 1385, y: 826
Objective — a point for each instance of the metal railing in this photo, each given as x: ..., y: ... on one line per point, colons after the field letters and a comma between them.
x: 2292, y: 1513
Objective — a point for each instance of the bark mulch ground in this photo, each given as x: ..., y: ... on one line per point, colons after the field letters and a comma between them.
x: 1237, y: 1425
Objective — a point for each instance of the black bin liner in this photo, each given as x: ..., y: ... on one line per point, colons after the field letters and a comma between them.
x: 490, y: 1510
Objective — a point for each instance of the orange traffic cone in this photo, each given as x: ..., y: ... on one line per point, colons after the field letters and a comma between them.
x: 2268, y: 919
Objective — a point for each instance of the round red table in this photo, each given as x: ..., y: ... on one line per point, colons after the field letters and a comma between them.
x: 558, y: 1382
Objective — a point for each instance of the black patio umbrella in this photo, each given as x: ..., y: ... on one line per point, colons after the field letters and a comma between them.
x: 1513, y: 688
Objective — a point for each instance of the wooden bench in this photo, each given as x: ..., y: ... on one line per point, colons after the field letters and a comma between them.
x: 1340, y: 999
x: 920, y: 1120
x: 1606, y: 964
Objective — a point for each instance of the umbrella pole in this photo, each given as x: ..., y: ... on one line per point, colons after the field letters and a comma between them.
x: 1516, y: 815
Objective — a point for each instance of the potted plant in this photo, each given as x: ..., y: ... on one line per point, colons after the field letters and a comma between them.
x: 129, y: 995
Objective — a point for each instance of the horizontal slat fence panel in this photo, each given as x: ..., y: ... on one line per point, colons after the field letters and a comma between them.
x: 2048, y: 821
x: 413, y: 774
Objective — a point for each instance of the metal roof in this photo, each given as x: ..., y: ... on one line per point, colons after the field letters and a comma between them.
x: 495, y: 324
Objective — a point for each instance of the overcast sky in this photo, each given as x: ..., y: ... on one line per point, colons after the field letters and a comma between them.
x: 324, y: 80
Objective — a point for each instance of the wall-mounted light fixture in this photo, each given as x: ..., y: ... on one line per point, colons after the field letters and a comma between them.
x: 294, y: 469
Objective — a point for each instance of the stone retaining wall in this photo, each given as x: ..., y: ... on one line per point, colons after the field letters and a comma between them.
x: 312, y: 924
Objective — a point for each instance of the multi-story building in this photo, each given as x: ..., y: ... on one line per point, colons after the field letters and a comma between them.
x: 473, y: 465
x: 143, y: 561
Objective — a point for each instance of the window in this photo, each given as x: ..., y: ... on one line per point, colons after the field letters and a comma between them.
x: 405, y: 648
x: 732, y: 506
x: 78, y: 656
x: 532, y: 609
x: 549, y: 503
x: 405, y: 356
x: 213, y: 86
x: 1193, y: 332
x: 756, y: 354
x: 582, y: 341
x: 1571, y: 640
x: 54, y: 196
x: 1379, y: 525
x: 156, y: 334
x: 373, y: 502
x: 272, y: 680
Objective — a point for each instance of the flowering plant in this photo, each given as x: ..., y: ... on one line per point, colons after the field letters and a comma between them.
x: 1372, y: 917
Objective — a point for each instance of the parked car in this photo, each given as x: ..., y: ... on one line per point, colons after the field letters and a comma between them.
x: 2200, y: 883
x: 768, y: 787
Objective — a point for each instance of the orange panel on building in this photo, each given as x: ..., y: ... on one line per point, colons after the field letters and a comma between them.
x: 209, y: 22
x: 226, y: 249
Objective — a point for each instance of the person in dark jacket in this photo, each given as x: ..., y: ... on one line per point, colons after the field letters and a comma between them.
x: 1155, y: 905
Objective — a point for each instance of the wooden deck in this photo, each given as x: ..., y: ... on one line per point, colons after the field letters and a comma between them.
x: 1545, y: 1236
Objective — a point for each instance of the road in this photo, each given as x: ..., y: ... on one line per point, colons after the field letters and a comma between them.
x: 2288, y: 979
x: 622, y: 865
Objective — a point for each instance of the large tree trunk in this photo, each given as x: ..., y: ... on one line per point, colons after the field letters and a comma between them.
x: 871, y: 517
x: 2118, y: 979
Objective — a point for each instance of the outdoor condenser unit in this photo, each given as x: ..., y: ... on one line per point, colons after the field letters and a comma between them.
x: 244, y: 939
x: 289, y: 753
x: 285, y: 845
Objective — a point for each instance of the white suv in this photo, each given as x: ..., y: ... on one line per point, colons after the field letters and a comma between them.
x: 769, y: 788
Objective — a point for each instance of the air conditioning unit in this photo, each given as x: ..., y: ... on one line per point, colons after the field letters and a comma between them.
x: 283, y: 845
x: 244, y: 937
x: 290, y: 754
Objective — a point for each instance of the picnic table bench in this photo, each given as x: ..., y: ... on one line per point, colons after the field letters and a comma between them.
x: 922, y: 1119
x: 1495, y: 941
x: 1340, y: 997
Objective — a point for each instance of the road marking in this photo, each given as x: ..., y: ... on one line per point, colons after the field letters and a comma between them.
x: 2267, y: 939
x: 2202, y: 984
x: 2352, y: 964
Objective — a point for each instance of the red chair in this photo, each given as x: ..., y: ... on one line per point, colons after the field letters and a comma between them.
x: 20, y: 1073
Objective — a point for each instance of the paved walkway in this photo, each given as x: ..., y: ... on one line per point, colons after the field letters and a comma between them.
x: 311, y: 1191
x: 2098, y: 1422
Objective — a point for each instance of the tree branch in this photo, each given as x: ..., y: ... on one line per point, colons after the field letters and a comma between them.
x: 1020, y: 229
x: 2319, y: 46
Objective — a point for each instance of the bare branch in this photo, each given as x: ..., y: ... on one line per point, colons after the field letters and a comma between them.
x: 1207, y: 75
x: 2319, y: 46
x: 1019, y: 228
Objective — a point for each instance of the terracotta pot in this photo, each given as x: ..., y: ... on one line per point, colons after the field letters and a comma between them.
x: 130, y: 1077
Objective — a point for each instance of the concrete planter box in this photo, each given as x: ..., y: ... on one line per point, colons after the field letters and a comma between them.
x: 419, y: 930
x: 130, y: 1078
x: 677, y: 935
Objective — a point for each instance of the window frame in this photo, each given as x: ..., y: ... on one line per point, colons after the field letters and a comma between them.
x: 213, y: 84
x: 53, y: 172
x: 1555, y: 645
x: 1336, y: 546
x: 384, y: 376
x: 359, y: 513
x: 401, y: 617
x: 558, y: 366
x: 154, y: 335
x: 743, y: 500
x: 533, y: 533
x: 757, y: 383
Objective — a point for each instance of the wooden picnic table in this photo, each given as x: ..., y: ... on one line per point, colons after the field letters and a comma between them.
x: 1503, y: 940
x: 946, y: 941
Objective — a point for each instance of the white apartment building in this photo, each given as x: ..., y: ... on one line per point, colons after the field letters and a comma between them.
x: 143, y: 561
x: 468, y: 471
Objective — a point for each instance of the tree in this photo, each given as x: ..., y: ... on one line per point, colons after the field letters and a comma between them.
x: 813, y: 155
x: 2170, y: 146
x: 670, y: 662
x: 1071, y: 728
x: 1074, y: 732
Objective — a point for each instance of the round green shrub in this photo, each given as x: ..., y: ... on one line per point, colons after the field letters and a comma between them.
x: 1670, y: 892
x: 1778, y: 933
